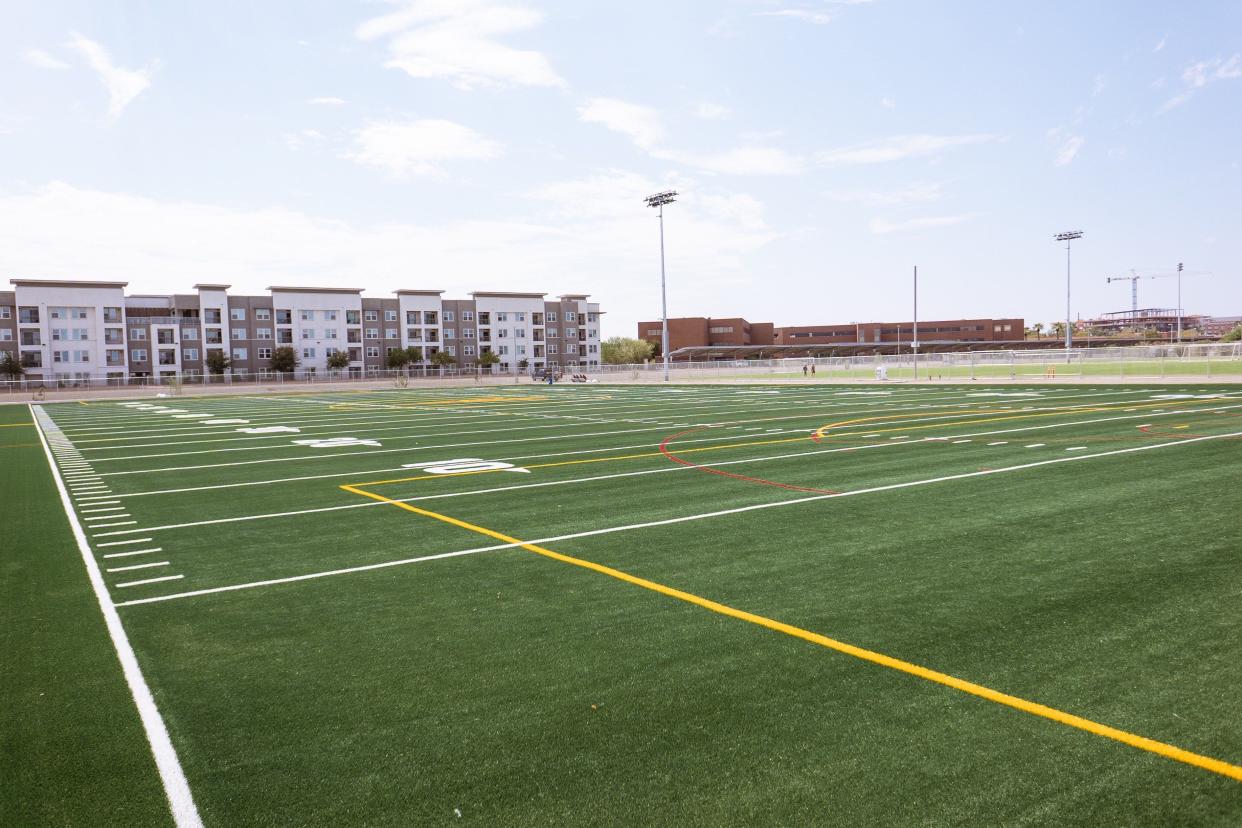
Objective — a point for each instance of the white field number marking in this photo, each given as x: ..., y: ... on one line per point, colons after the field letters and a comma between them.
x: 463, y: 465
x: 271, y: 430
x: 336, y: 442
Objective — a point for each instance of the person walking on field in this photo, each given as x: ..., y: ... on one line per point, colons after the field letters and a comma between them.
x: 812, y: 369
x: 804, y: 370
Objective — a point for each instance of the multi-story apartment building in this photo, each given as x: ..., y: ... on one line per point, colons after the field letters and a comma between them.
x: 78, y: 330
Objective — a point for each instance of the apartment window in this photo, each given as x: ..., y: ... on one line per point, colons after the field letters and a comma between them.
x: 237, y: 314
x: 451, y: 350
x: 262, y: 314
x: 308, y: 333
x: 390, y: 333
x: 371, y: 316
x: 284, y: 337
x: 81, y: 356
x: 467, y: 333
x: 501, y: 316
x: 79, y: 313
x: 570, y: 316
x: 502, y: 333
x: 551, y: 349
x: 80, y: 334
x: 414, y: 334
x: 592, y: 333
x: 190, y: 354
x: 448, y: 316
x: 721, y: 329
x: 352, y: 317
x: 390, y: 316
x: 189, y: 333
x: 56, y: 313
x: 264, y: 353
x: 138, y: 355
x: 330, y: 351
x: 468, y: 350
x: 521, y: 350
x: 166, y: 337
x: 284, y: 316
x: 413, y: 318
x: 450, y: 333
x: 503, y: 350
x: 553, y: 333
x: 213, y: 336
x: 167, y: 356
x: 112, y: 315
x: 240, y: 354
x: 429, y: 318
x: 262, y: 333
x: 592, y: 317
x: 329, y: 333
x: 31, y: 338
x: 238, y: 333
x: 571, y: 349
x: 28, y: 316
x: 137, y: 334
x: 372, y: 333
x: 32, y: 359
x: 593, y: 349
x: 551, y: 316
x: 308, y: 353
x: 355, y: 355
x: 6, y: 311
x: 60, y: 334
x: 485, y: 318
x: 520, y: 333
x: 307, y: 316
x: 60, y: 356
x: 6, y: 335
x: 353, y: 335
x: 211, y: 316
x: 433, y: 335
x: 114, y: 358
x: 329, y: 315
x: 571, y: 333
x: 466, y: 316
x: 373, y: 351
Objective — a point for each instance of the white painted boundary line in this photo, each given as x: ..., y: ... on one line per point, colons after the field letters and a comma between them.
x: 666, y: 522
x: 176, y: 788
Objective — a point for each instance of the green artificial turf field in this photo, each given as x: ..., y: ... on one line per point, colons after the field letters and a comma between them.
x: 614, y: 604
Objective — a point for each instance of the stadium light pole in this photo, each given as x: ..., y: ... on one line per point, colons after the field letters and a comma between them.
x: 914, y: 344
x: 658, y: 201
x: 1068, y: 237
x: 1180, y: 265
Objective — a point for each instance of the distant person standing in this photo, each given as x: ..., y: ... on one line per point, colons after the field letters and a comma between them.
x: 804, y: 370
x: 812, y: 369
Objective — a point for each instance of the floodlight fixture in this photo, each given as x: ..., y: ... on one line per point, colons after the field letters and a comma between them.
x: 658, y: 201
x: 1068, y: 237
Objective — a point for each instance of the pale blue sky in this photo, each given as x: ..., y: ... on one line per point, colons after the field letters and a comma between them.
x: 822, y: 148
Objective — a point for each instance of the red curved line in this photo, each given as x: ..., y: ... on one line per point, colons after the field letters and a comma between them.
x: 761, y: 480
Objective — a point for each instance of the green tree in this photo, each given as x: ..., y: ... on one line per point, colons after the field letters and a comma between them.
x: 217, y: 362
x: 1058, y: 330
x: 1036, y: 330
x: 1233, y: 336
x: 284, y: 359
x: 339, y: 360
x: 441, y: 360
x: 620, y: 350
x: 398, y: 358
x: 10, y: 366
x: 486, y: 360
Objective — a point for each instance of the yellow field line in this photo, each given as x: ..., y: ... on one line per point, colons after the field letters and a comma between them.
x: 775, y: 441
x: 1034, y: 708
x: 15, y: 425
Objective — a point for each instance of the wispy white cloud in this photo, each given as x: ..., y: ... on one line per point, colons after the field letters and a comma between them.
x: 882, y: 227
x: 458, y: 40
x: 1160, y: 46
x: 1200, y: 74
x: 1067, y: 145
x: 419, y: 147
x: 1098, y: 86
x: 709, y: 111
x: 888, y: 103
x: 123, y: 85
x: 640, y: 123
x: 739, y: 161
x: 898, y: 148
x: 306, y: 137
x: 326, y: 100
x: 819, y: 18
x: 914, y: 193
x: 43, y: 59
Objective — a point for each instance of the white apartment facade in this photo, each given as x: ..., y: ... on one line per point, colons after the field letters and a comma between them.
x: 74, y: 330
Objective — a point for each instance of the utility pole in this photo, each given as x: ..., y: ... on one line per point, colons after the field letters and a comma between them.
x: 658, y: 201
x: 1180, y: 265
x: 1068, y: 237
x: 914, y: 345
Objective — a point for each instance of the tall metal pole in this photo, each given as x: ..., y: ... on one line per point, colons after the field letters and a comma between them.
x: 914, y: 345
x: 1067, y: 238
x: 1179, y: 301
x: 659, y: 200
x: 663, y: 300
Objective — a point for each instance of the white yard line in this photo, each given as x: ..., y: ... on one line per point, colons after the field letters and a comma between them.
x: 135, y: 552
x: 137, y: 566
x: 148, y: 581
x: 672, y: 521
x: 176, y: 788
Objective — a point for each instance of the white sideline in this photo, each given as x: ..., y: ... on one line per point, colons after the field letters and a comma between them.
x: 176, y: 788
x: 665, y: 522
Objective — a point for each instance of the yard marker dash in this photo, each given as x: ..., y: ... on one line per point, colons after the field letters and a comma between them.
x: 150, y: 581
x: 125, y: 542
x: 137, y: 566
x: 119, y: 523
x: 1036, y: 445
x: 135, y: 552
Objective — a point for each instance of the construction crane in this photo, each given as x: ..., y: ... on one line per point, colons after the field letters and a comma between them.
x: 1134, y: 277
